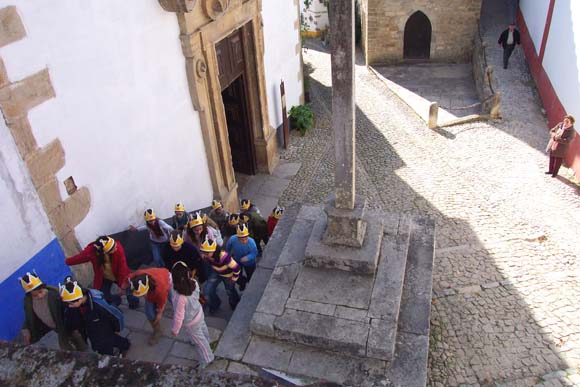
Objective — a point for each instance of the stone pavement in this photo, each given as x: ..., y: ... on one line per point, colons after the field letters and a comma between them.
x: 506, y: 276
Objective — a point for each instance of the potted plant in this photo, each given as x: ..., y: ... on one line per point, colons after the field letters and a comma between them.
x: 302, y: 118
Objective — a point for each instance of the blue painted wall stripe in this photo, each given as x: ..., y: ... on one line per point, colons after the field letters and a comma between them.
x: 50, y: 267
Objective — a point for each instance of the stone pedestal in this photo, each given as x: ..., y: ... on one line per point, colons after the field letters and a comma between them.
x: 345, y: 226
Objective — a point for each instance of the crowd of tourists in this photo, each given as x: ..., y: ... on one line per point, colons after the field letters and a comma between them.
x: 192, y: 256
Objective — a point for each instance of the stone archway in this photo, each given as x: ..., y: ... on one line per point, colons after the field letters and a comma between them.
x: 417, y: 39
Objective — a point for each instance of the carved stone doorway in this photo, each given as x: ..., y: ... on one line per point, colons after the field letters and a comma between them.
x: 417, y: 40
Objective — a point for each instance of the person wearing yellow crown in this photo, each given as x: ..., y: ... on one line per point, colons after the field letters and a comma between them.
x: 219, y: 215
x: 181, y: 217
x: 188, y: 312
x: 158, y: 234
x: 43, y: 312
x: 231, y: 226
x: 109, y: 267
x: 246, y: 205
x: 243, y: 249
x: 197, y: 230
x: 179, y: 250
x: 154, y: 284
x: 258, y: 228
x: 223, y: 269
x: 99, y: 324
x: 274, y: 218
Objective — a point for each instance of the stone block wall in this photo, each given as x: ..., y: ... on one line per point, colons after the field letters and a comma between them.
x: 453, y: 23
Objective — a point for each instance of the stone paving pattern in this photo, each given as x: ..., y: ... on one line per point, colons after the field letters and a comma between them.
x: 506, y: 276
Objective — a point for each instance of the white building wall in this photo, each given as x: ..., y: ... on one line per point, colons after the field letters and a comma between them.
x: 315, y: 16
x: 535, y: 12
x: 24, y: 228
x: 122, y: 109
x: 281, y: 61
x: 562, y: 55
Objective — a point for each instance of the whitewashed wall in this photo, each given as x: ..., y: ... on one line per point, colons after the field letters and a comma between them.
x: 24, y: 228
x: 122, y: 109
x: 315, y: 16
x: 280, y: 58
x: 562, y: 55
x: 535, y: 12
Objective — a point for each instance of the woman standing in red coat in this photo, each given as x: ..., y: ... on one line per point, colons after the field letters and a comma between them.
x: 110, y: 267
x: 560, y: 137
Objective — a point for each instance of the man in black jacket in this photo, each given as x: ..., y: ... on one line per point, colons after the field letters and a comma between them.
x: 508, y: 40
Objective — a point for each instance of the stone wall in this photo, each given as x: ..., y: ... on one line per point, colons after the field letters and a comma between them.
x: 453, y: 25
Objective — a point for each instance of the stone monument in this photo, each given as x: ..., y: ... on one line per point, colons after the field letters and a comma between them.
x: 348, y: 290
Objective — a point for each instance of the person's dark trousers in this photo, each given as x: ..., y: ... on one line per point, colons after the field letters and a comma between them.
x: 249, y: 270
x: 115, y: 299
x: 107, y: 346
x: 210, y: 291
x: 507, y: 52
x: 555, y: 164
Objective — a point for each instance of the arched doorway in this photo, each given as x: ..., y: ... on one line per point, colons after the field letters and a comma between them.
x: 417, y: 41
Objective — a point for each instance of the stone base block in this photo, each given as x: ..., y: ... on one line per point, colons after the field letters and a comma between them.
x: 363, y: 259
x: 345, y: 227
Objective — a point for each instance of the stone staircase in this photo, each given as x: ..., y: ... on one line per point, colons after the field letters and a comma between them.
x: 376, y: 322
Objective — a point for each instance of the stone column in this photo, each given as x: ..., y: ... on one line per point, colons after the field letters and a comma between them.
x: 345, y: 211
x: 343, y: 100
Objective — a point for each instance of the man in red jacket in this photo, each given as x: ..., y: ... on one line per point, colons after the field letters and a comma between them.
x: 110, y: 267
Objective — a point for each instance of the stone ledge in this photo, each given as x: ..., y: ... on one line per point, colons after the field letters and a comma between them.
x: 352, y: 259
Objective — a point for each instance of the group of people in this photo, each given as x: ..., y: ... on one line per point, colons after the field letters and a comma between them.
x: 191, y: 257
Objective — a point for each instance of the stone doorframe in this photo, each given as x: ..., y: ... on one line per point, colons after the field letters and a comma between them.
x: 202, y: 24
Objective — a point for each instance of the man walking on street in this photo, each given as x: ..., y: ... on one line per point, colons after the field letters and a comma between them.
x: 508, y: 40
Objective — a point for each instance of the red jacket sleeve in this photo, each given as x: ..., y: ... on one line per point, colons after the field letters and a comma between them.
x: 87, y: 255
x: 120, y: 268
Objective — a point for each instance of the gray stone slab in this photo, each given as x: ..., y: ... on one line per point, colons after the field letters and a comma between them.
x: 219, y: 365
x: 338, y: 368
x: 325, y: 332
x: 239, y: 368
x: 391, y: 222
x: 312, y: 307
x: 135, y: 319
x: 293, y: 251
x: 180, y: 361
x: 312, y: 213
x: 388, y: 287
x: 141, y: 350
x: 409, y: 367
x: 184, y: 351
x: 263, y: 324
x: 268, y: 353
x: 236, y: 337
x: 333, y: 287
x: 278, y: 239
x: 274, y: 186
x: 353, y: 259
x: 417, y: 292
x: 278, y: 289
x: 286, y: 170
x: 381, y: 342
x: 352, y: 314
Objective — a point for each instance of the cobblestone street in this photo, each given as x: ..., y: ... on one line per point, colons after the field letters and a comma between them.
x: 506, y: 279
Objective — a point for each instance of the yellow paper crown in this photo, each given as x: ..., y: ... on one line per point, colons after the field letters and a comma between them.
x: 197, y: 220
x: 215, y: 204
x: 149, y: 215
x: 208, y: 246
x: 74, y: 295
x: 242, y: 231
x: 176, y: 240
x: 234, y: 219
x: 179, y: 207
x: 245, y: 204
x: 141, y: 289
x: 32, y: 283
x: 105, y: 244
x: 278, y: 212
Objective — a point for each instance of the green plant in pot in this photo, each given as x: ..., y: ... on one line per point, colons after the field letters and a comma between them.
x: 302, y: 118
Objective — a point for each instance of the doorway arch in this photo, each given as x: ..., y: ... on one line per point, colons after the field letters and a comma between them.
x: 417, y: 39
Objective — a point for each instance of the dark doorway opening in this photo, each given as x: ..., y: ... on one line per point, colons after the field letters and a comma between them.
x: 417, y: 41
x: 233, y: 81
